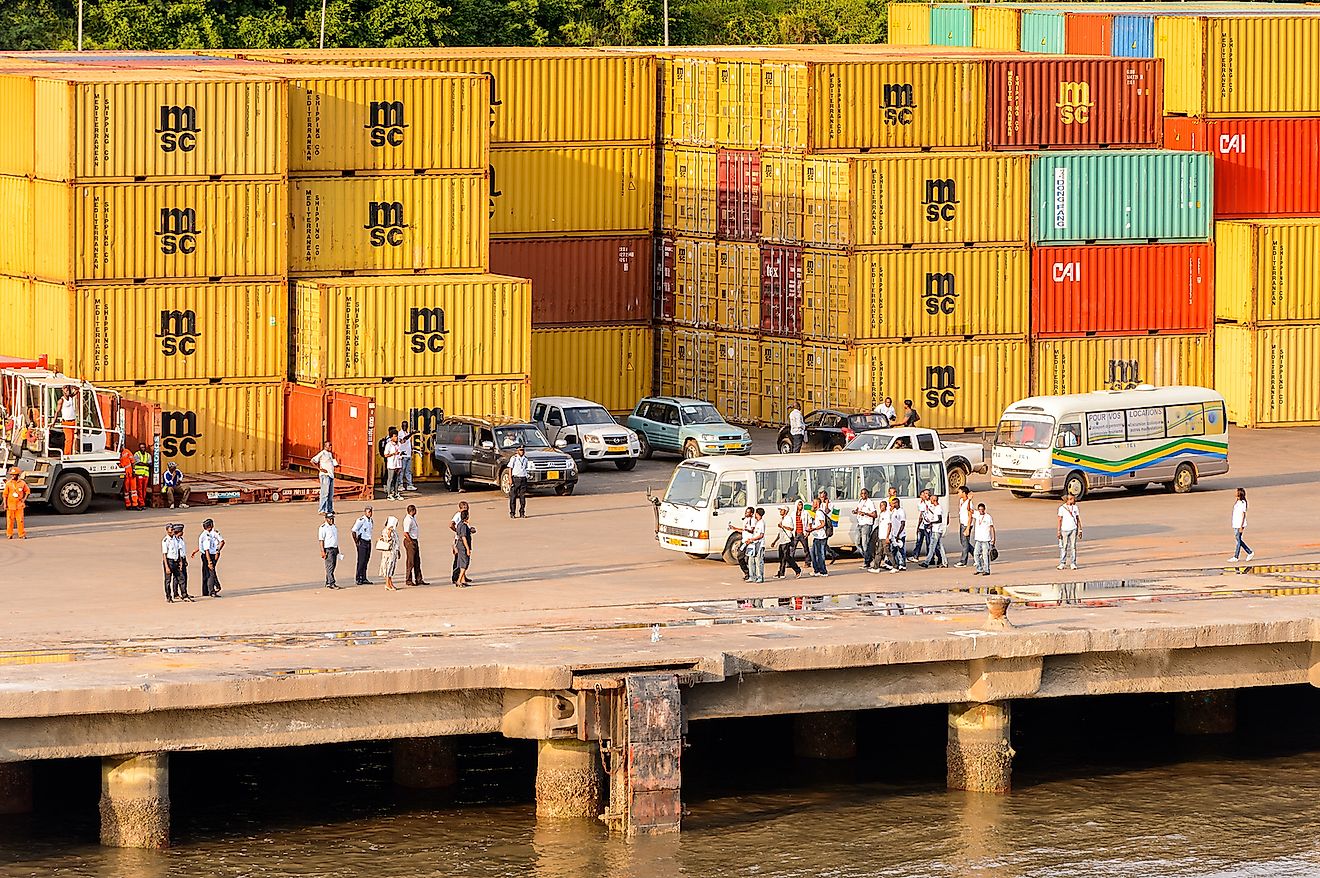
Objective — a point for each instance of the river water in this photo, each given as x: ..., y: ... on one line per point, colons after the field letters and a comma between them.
x: 1241, y: 809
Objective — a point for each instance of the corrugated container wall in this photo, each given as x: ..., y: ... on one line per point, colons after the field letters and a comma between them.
x: 572, y: 190
x: 1043, y: 32
x: 1088, y: 34
x: 1268, y: 271
x: 687, y: 362
x: 737, y: 377
x: 373, y: 225
x: 738, y: 305
x: 953, y: 385
x: 951, y: 25
x: 740, y: 103
x: 689, y: 101
x: 1268, y: 376
x: 781, y: 198
x: 581, y: 280
x: 785, y: 104
x: 1048, y: 102
x: 355, y: 329
x: 1263, y: 167
x: 696, y: 281
x: 738, y: 200
x: 609, y: 365
x: 1080, y: 365
x: 1121, y: 196
x: 1133, y: 36
x: 909, y: 24
x: 1122, y: 290
x: 688, y: 192
x: 221, y: 428
x: 781, y: 290
x: 996, y: 27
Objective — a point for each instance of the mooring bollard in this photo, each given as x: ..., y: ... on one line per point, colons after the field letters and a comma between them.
x: 997, y: 612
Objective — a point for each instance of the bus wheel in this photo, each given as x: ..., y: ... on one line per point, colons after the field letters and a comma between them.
x: 1183, y: 478
x: 1075, y: 484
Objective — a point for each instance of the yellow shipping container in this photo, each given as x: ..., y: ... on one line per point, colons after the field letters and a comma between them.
x: 780, y: 378
x: 781, y: 197
x: 576, y: 190
x: 909, y: 24
x: 382, y: 225
x: 827, y: 290
x: 997, y: 27
x: 688, y: 360
x: 785, y: 87
x: 689, y: 100
x: 1080, y: 365
x: 611, y: 365
x: 740, y: 103
x: 1267, y: 271
x: 411, y: 328
x: 146, y: 231
x: 696, y: 282
x: 826, y: 378
x: 885, y: 201
x: 217, y: 428
x: 109, y: 123
x: 537, y: 95
x: 150, y: 332
x: 688, y: 192
x: 737, y: 377
x: 738, y: 307
x: 954, y: 384
x: 16, y: 220
x: 897, y: 104
x: 1268, y: 376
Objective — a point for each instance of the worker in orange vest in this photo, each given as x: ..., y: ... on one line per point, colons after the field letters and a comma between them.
x: 130, y: 483
x: 16, y: 494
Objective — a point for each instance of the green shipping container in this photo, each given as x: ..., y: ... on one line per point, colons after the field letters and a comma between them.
x: 951, y: 25
x: 1043, y: 32
x: 1129, y: 195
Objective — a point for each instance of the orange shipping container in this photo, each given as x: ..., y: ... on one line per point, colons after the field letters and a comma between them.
x: 1086, y: 33
x: 581, y: 280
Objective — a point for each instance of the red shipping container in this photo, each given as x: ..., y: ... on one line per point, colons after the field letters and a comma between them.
x: 666, y: 295
x: 1126, y: 289
x: 1088, y: 34
x: 1043, y: 102
x: 738, y: 201
x: 581, y: 280
x: 781, y: 290
x: 1263, y: 167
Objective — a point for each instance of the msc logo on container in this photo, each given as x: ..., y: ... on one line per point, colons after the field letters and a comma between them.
x: 426, y: 330
x: 1124, y: 374
x: 941, y: 200
x: 941, y: 293
x: 385, y: 223
x: 1074, y: 103
x: 494, y: 190
x: 941, y: 387
x: 385, y: 121
x: 177, y: 230
x: 494, y: 98
x: 179, y: 433
x: 178, y: 128
x: 178, y: 333
x: 1061, y: 272
x: 898, y: 101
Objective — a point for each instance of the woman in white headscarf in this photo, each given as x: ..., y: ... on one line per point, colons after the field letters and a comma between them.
x: 388, y: 546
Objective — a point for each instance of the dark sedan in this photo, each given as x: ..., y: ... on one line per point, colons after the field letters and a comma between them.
x: 830, y: 430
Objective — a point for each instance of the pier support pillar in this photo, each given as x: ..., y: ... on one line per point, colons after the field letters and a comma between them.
x: 568, y: 778
x: 978, y: 755
x: 15, y: 788
x: 135, y: 801
x: 1205, y: 713
x: 831, y: 735
x: 425, y: 763
x: 646, y: 778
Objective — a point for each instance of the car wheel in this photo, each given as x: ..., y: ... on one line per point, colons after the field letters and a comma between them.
x: 836, y: 447
x: 646, y: 446
x: 691, y: 449
x: 564, y: 490
x: 626, y: 465
x: 506, y: 481
x: 1183, y: 478
x: 1021, y: 495
x: 1075, y: 484
x: 447, y: 478
x: 785, y: 447
x: 732, y: 549
x: 957, y: 478
x: 72, y: 494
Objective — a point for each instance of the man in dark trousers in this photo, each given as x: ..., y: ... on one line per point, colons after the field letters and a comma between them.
x: 520, y: 468
x: 363, y: 529
x: 174, y: 559
x: 412, y: 550
x: 209, y: 544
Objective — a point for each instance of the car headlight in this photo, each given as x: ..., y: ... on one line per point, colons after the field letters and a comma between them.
x: 591, y: 439
x: 996, y: 471
x: 1043, y: 473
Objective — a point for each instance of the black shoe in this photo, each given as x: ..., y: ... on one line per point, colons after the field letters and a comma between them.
x: 511, y: 515
x: 522, y: 514
x: 331, y: 585
x: 188, y: 598
x: 169, y: 600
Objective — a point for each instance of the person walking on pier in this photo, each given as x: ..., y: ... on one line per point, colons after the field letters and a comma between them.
x: 209, y: 544
x: 1070, y: 531
x: 744, y: 530
x: 388, y: 546
x: 462, y: 549
x: 16, y: 494
x: 983, y: 534
x: 412, y: 549
x: 754, y: 548
x: 794, y: 527
x: 966, y: 510
x: 821, y: 528
x: 362, y: 531
x: 174, y: 560
x: 406, y: 440
x: 865, y: 514
x: 520, y: 470
x: 329, y: 538
x: 326, y: 463
x: 935, y: 536
x: 1240, y: 525
x: 898, y: 534
x: 797, y: 429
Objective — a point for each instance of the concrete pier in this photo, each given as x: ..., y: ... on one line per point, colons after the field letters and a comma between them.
x: 979, y: 756
x: 425, y: 763
x: 15, y: 788
x: 568, y: 779
x: 1205, y: 713
x: 135, y: 801
x: 831, y: 735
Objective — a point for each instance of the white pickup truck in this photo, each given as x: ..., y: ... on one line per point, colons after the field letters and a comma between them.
x: 960, y: 458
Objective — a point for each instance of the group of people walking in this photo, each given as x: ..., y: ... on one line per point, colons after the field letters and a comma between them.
x: 396, y: 541
x: 174, y: 558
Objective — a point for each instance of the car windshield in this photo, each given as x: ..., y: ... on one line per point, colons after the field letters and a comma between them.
x: 509, y: 438
x: 858, y: 423
x: 701, y: 414
x: 588, y: 415
x: 1025, y: 433
x: 690, y: 487
x: 868, y: 442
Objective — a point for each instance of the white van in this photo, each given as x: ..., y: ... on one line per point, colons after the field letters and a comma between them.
x: 706, y: 494
x: 1073, y: 444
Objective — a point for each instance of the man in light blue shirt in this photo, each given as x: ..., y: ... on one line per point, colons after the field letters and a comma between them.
x: 362, y: 531
x: 520, y: 468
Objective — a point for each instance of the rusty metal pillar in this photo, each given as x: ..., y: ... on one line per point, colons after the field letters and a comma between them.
x: 645, y: 756
x: 425, y: 763
x: 831, y: 735
x: 978, y: 755
x: 1205, y: 713
x: 15, y: 787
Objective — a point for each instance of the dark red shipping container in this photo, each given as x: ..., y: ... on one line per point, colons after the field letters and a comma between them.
x: 738, y: 202
x: 1088, y: 33
x: 781, y: 290
x: 1263, y: 167
x: 665, y: 300
x: 1126, y: 289
x: 1044, y: 101
x: 581, y: 280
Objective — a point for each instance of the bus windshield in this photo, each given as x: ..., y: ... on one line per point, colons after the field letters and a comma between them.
x: 1025, y: 433
x: 690, y: 487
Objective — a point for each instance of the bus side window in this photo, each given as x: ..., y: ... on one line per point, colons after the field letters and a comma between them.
x: 930, y: 477
x: 836, y: 482
x: 875, y: 480
x: 1070, y: 435
x: 733, y: 494
x: 1215, y: 422
x: 900, y: 479
x: 778, y: 486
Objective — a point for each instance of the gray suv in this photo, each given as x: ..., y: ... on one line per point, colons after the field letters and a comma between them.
x: 478, y: 450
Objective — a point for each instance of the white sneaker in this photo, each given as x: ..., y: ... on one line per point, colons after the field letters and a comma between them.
x: 1233, y: 560
x: 1250, y: 555
x: 1061, y: 565
x: 1074, y: 566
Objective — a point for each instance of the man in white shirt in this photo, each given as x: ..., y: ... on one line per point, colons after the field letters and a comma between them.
x: 966, y: 509
x: 328, y: 535
x: 983, y: 534
x: 744, y: 530
x: 363, y: 529
x: 326, y: 463
x: 865, y: 514
x: 934, y: 518
x: 393, y: 465
x: 755, y: 548
x: 1070, y: 530
x: 405, y: 457
x: 886, y: 408
x: 412, y: 550
x: 880, y: 557
x: 820, y: 528
x: 69, y: 411
x: 174, y: 560
x: 923, y: 525
x: 209, y: 544
x: 797, y: 428
x: 898, y: 534
x: 520, y: 469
